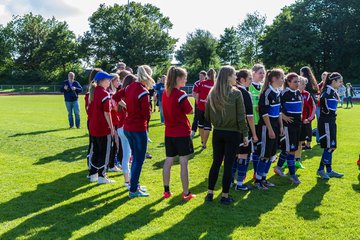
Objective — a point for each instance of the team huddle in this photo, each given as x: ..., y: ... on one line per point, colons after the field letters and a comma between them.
x: 252, y: 114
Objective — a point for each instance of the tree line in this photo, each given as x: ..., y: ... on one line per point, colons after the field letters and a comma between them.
x: 322, y: 34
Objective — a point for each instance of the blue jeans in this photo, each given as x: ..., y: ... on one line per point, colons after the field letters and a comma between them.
x: 126, y: 150
x: 138, y: 144
x: 73, y: 106
x: 161, y: 112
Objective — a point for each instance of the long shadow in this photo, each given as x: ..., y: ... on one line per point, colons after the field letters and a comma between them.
x: 69, y: 155
x: 156, y: 125
x: 68, y: 218
x: 140, y: 218
x: 311, y: 200
x: 38, y: 132
x: 356, y: 187
x: 77, y: 137
x: 46, y: 195
x: 216, y: 221
x: 159, y: 164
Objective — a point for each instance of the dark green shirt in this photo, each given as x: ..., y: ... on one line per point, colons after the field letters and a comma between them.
x: 233, y: 117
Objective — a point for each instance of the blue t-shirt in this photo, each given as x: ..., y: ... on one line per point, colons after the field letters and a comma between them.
x: 159, y: 88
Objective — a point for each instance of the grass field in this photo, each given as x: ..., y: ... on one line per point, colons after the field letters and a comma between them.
x: 44, y: 193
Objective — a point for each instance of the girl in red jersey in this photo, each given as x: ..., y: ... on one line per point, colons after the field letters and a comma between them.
x: 204, y: 89
x: 137, y: 100
x: 101, y: 129
x: 177, y: 129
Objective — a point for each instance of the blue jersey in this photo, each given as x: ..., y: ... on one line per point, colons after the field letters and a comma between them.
x: 269, y: 104
x: 328, y: 103
x: 291, y: 104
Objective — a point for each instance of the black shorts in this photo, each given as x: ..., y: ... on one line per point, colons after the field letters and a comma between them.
x: 203, y: 123
x: 246, y: 150
x: 306, y: 132
x: 178, y: 146
x: 266, y: 147
x: 327, y: 133
x: 290, y: 141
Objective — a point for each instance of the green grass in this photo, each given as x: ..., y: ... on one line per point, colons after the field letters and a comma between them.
x: 44, y: 193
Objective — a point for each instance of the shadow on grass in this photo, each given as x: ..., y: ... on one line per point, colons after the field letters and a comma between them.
x: 46, y: 195
x: 69, y: 155
x: 216, y: 221
x: 77, y: 137
x: 39, y: 132
x: 312, y: 199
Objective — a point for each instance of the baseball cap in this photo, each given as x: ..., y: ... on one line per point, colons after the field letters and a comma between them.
x: 102, y: 75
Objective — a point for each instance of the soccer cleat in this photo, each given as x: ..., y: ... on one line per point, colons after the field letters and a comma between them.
x: 105, y: 180
x: 187, y: 197
x: 242, y: 188
x: 267, y: 183
x: 93, y: 178
x: 260, y: 186
x: 226, y: 200
x: 148, y: 156
x: 138, y: 194
x: 335, y: 174
x: 167, y: 194
x: 358, y: 162
x: 295, y: 179
x: 209, y: 197
x: 114, y: 169
x: 323, y: 174
x: 298, y: 164
x: 279, y: 171
x: 284, y: 165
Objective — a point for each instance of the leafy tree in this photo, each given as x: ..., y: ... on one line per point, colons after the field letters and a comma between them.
x: 229, y: 47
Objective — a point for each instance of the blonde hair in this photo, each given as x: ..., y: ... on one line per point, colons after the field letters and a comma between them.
x: 92, y: 87
x: 112, y: 87
x: 172, y: 75
x: 218, y: 95
x: 144, y: 73
x: 303, y: 80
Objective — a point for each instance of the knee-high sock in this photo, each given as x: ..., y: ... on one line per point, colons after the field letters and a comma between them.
x: 255, y: 160
x: 267, y: 168
x: 242, y: 169
x: 290, y: 159
x: 282, y: 158
x: 326, y: 160
x: 261, y: 168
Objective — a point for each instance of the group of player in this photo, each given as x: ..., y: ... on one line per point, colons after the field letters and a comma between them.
x: 252, y: 113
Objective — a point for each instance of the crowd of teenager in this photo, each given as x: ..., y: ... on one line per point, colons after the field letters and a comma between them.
x: 252, y: 113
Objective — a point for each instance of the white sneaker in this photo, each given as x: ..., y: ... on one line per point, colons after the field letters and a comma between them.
x: 114, y: 169
x: 149, y: 140
x: 93, y: 178
x: 104, y: 180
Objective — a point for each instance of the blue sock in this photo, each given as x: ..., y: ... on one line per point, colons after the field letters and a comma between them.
x: 291, y: 163
x: 267, y: 168
x: 328, y: 168
x: 321, y: 167
x: 242, y: 169
x: 260, y: 169
x: 255, y: 160
x: 282, y: 158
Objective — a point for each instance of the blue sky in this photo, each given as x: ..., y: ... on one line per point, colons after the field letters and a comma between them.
x: 186, y: 15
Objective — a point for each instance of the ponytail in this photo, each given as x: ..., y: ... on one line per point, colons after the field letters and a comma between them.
x: 289, y: 78
x: 92, y: 87
x: 335, y: 76
x: 172, y: 75
x: 277, y: 73
x: 211, y: 74
x: 144, y: 73
x: 242, y: 73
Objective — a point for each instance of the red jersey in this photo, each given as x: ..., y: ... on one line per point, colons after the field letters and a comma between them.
x: 98, y: 125
x: 175, y: 108
x: 204, y: 89
x: 137, y: 106
x: 196, y: 87
x: 117, y: 97
x: 309, y: 106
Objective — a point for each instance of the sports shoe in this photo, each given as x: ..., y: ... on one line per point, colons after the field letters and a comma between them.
x: 149, y: 140
x: 335, y: 174
x: 187, y: 197
x: 141, y: 188
x: 226, y: 200
x: 104, y: 180
x: 167, y: 194
x: 358, y: 162
x: 279, y: 171
x: 138, y: 194
x: 203, y: 147
x: 323, y: 174
x: 242, y: 188
x: 148, y: 156
x: 93, y: 178
x: 298, y: 164
x: 267, y: 183
x: 114, y: 169
x: 260, y: 186
x: 295, y: 179
x: 284, y: 165
x: 209, y: 197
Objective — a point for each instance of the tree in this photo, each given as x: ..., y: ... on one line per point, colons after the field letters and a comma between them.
x: 249, y: 32
x: 229, y: 47
x: 136, y: 37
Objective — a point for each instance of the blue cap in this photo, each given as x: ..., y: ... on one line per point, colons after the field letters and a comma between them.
x: 102, y: 75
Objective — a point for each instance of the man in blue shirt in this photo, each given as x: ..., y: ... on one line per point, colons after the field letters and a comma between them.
x: 159, y: 88
x: 71, y: 89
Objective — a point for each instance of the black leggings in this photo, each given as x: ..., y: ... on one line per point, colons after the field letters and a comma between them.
x: 196, y: 119
x: 225, y: 145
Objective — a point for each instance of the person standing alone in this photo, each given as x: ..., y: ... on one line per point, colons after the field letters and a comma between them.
x: 71, y: 90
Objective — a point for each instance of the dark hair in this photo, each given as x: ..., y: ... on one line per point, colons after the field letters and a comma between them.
x: 93, y: 72
x: 211, y: 74
x: 335, y: 76
x: 202, y: 72
x: 257, y: 67
x: 312, y: 82
x: 277, y: 72
x: 129, y: 79
x: 289, y: 77
x: 172, y: 75
x: 129, y: 69
x: 242, y: 73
